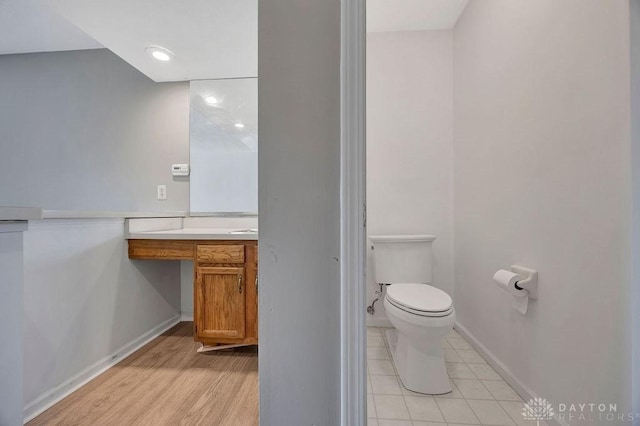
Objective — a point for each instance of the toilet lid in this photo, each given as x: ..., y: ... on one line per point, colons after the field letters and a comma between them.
x: 420, y: 299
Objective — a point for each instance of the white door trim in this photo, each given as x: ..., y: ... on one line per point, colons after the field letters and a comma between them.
x: 353, y: 214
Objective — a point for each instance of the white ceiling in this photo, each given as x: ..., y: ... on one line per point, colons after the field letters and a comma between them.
x: 413, y: 15
x: 210, y: 38
x: 28, y: 26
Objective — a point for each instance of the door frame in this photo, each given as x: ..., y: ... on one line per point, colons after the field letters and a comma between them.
x: 353, y: 212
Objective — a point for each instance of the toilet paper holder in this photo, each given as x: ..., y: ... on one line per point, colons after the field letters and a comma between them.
x: 529, y: 281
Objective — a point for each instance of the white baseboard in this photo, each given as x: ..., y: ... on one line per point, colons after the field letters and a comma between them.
x: 522, y: 390
x: 186, y: 316
x: 53, y: 396
x: 378, y: 322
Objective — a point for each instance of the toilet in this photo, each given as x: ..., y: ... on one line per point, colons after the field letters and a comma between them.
x: 422, y: 314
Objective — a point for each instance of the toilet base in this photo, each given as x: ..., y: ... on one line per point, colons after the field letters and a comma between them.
x: 420, y: 371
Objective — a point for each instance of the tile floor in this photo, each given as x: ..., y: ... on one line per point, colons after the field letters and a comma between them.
x: 479, y: 396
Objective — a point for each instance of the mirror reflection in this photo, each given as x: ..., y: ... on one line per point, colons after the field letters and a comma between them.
x: 224, y: 146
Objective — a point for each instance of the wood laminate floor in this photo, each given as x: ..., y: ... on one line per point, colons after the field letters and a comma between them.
x: 167, y: 382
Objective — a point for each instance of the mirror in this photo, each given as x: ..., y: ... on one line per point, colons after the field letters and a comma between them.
x: 223, y: 146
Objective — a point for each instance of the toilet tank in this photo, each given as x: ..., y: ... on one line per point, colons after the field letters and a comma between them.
x: 402, y: 258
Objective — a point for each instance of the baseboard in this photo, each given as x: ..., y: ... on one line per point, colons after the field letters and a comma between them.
x: 378, y: 322
x: 55, y: 395
x: 186, y: 316
x: 522, y: 390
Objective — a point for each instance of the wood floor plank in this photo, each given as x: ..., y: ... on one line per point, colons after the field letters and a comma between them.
x: 167, y: 383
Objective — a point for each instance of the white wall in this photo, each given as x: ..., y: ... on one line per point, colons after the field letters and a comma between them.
x: 84, y: 130
x: 299, y: 174
x: 11, y: 322
x: 543, y: 179
x: 85, y: 301
x: 410, y: 144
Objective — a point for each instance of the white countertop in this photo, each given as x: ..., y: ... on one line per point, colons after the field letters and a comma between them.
x: 193, y: 234
x: 87, y: 214
x: 37, y: 213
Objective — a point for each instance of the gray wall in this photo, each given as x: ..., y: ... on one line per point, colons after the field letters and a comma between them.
x: 84, y: 130
x: 85, y: 301
x: 11, y: 322
x: 299, y: 172
x: 543, y: 179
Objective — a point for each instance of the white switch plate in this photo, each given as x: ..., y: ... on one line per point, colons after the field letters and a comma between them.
x: 162, y: 192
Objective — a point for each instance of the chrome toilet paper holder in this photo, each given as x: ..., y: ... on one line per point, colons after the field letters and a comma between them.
x: 529, y: 281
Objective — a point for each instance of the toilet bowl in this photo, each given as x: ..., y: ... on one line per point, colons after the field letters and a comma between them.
x: 422, y: 316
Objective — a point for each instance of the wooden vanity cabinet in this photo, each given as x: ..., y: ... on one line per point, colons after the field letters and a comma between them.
x: 225, y: 288
x: 220, y: 299
x: 225, y: 292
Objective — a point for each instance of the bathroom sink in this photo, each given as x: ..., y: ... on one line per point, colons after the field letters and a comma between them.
x: 244, y: 231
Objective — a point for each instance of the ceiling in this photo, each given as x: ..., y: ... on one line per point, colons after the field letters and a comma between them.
x: 413, y: 15
x: 28, y: 26
x: 209, y: 38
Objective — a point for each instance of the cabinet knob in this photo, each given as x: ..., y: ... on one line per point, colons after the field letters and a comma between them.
x: 239, y: 283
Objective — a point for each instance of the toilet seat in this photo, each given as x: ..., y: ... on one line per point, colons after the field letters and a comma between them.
x: 420, y: 299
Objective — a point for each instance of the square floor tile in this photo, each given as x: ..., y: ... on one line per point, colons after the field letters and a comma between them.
x: 455, y: 393
x: 391, y: 407
x: 470, y: 356
x: 458, y: 343
x: 490, y: 413
x: 385, y: 385
x: 375, y: 341
x: 382, y: 367
x: 501, y: 390
x: 423, y: 408
x: 450, y: 355
x: 456, y: 411
x: 475, y: 388
x: 484, y: 372
x: 377, y: 352
x: 459, y: 371
x: 371, y: 406
x: 472, y: 389
x: 373, y: 332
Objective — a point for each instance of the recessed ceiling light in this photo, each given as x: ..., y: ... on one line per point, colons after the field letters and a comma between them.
x: 211, y: 100
x: 239, y: 125
x: 159, y: 53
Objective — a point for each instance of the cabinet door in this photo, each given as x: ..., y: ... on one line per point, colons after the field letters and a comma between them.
x: 220, y: 302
